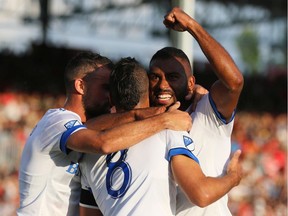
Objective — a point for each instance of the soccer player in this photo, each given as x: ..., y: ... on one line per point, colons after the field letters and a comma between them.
x: 171, y: 80
x: 49, y: 175
x: 139, y: 179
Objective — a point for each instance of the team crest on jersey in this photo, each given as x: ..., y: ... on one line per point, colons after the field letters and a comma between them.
x: 188, y: 143
x: 72, y: 123
x: 73, y: 168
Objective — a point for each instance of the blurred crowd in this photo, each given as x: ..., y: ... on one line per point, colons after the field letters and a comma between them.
x: 262, y: 137
x: 19, y: 112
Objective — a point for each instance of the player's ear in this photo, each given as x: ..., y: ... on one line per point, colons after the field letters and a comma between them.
x: 190, y: 84
x: 79, y: 86
x: 112, y: 104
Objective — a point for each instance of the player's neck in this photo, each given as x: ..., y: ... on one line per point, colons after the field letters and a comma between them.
x: 143, y: 104
x: 75, y: 105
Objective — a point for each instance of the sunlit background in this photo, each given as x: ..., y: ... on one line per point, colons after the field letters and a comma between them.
x: 37, y: 37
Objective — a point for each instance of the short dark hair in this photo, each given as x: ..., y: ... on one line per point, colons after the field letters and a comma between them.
x: 82, y: 64
x: 128, y: 83
x: 168, y: 52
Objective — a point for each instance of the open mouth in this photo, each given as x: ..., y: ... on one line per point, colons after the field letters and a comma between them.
x: 164, y: 97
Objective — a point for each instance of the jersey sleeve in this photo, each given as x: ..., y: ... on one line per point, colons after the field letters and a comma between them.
x: 207, y: 116
x: 70, y: 130
x: 54, y: 129
x: 217, y: 113
x: 179, y: 143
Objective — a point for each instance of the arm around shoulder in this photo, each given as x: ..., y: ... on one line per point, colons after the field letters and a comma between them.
x: 126, y: 135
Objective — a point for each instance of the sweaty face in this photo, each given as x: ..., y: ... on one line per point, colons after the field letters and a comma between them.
x: 96, y: 96
x: 167, y: 82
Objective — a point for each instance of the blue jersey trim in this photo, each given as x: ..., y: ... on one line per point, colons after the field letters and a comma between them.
x: 218, y: 114
x: 181, y: 151
x: 65, y: 137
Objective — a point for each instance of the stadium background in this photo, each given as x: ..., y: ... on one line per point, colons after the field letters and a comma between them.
x: 31, y: 82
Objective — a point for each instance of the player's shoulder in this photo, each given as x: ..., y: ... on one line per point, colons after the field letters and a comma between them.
x: 172, y: 134
x: 59, y: 117
x: 61, y: 114
x: 203, y: 102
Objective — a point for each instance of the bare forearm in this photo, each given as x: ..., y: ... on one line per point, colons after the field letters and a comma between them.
x: 219, y: 58
x: 127, y: 135
x: 212, y: 189
x: 110, y: 120
x: 201, y: 190
x: 226, y: 90
x: 119, y: 137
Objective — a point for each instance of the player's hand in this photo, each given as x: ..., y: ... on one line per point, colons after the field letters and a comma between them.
x: 178, y: 120
x: 173, y: 107
x: 234, y: 168
x: 195, y: 96
x: 177, y: 20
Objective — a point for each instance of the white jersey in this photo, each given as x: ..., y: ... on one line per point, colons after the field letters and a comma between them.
x: 48, y: 177
x: 138, y: 180
x: 212, y: 136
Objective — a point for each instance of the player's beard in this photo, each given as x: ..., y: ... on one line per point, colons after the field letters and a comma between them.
x: 176, y: 96
x: 95, y: 110
x: 181, y: 95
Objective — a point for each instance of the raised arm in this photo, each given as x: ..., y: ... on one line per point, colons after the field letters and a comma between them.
x: 226, y: 90
x: 202, y: 190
